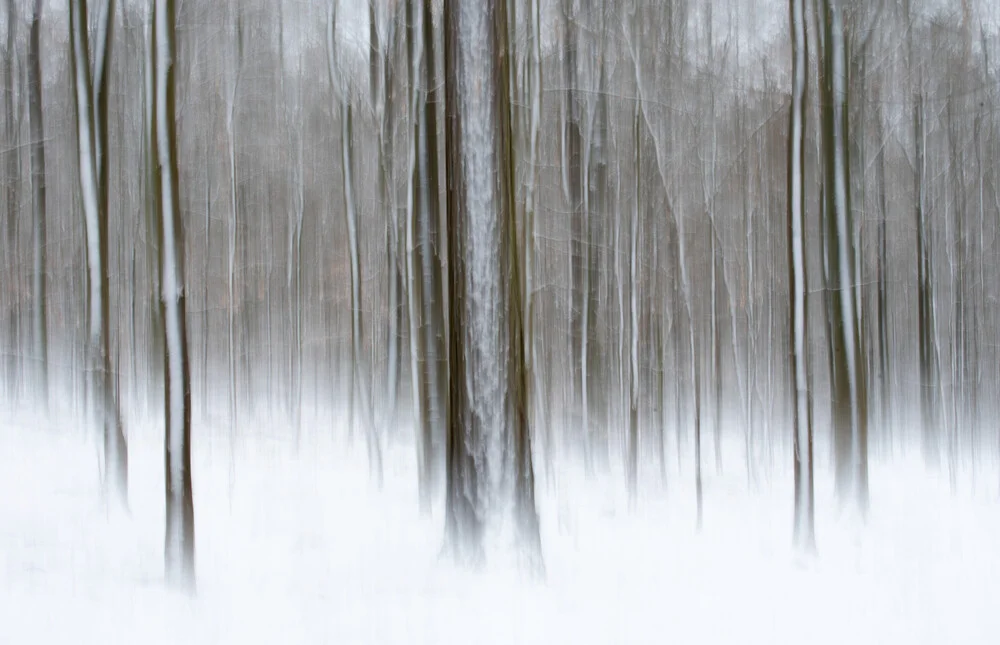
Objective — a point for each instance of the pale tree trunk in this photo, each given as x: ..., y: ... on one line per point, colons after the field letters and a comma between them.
x: 382, y: 80
x: 414, y: 299
x: 91, y: 139
x: 151, y: 221
x: 804, y: 532
x: 295, y: 281
x: 750, y: 299
x: 233, y: 228
x: 575, y: 196
x: 633, y: 332
x: 357, y: 379
x: 179, y: 531
x: 205, y: 346
x: 709, y: 188
x: 531, y: 207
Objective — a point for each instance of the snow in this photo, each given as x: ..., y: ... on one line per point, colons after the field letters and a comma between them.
x: 304, y: 550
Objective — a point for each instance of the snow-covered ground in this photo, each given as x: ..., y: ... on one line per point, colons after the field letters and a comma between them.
x: 295, y: 546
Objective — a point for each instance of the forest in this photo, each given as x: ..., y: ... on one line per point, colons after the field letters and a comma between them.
x: 503, y: 277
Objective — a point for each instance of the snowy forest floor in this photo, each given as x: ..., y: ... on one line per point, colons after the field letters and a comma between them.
x: 296, y: 546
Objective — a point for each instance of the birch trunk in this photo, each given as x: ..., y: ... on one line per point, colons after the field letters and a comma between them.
x: 179, y: 533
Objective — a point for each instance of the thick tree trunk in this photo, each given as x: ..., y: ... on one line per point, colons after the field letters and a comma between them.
x: 463, y: 520
x: 518, y: 424
x: 849, y: 394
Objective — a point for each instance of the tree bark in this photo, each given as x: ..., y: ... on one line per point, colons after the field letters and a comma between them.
x: 463, y: 521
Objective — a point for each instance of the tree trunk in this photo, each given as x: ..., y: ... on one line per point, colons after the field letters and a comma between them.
x: 804, y: 531
x: 179, y: 534
x: 12, y: 209
x: 849, y: 394
x: 518, y: 425
x: 91, y: 109
x: 38, y: 234
x: 463, y: 521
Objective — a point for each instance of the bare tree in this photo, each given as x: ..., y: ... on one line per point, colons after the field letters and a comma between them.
x: 179, y: 540
x: 38, y: 236
x: 340, y: 85
x: 850, y: 395
x: 518, y: 423
x: 463, y: 520
x: 804, y: 531
x: 91, y: 111
x: 11, y: 204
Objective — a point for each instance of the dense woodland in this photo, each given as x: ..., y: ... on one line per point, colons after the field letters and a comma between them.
x: 628, y: 232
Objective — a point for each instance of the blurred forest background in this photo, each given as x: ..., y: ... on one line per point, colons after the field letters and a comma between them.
x: 614, y: 176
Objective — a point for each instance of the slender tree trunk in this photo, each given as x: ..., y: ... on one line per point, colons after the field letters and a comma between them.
x: 38, y: 219
x: 804, y: 531
x: 881, y: 280
x: 531, y: 206
x: 91, y: 140
x: 234, y: 206
x: 151, y: 221
x: 574, y: 193
x: 434, y: 300
x: 11, y: 156
x: 415, y: 296
x: 381, y: 92
x: 205, y: 301
x: 179, y: 534
x: 633, y: 332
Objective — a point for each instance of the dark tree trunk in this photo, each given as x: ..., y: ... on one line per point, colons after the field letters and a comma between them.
x: 463, y: 522
x: 518, y: 422
x: 38, y: 234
